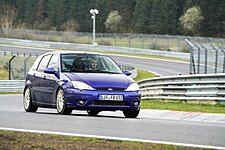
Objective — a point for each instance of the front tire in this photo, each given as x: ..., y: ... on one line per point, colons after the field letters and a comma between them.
x: 61, y: 103
x: 27, y: 101
x: 131, y: 113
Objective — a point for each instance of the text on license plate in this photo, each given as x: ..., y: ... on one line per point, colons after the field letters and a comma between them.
x: 111, y: 97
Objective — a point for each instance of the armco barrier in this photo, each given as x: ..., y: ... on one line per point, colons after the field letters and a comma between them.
x: 12, y: 85
x: 210, y: 88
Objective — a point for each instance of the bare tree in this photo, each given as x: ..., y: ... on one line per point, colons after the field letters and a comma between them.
x: 7, y: 16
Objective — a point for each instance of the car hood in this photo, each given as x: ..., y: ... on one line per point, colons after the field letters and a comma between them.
x: 101, y: 80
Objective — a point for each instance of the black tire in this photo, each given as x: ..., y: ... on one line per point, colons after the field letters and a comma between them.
x: 27, y: 101
x: 131, y: 113
x: 61, y: 103
x: 93, y: 112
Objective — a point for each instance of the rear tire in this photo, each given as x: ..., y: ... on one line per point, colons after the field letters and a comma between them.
x: 92, y: 112
x: 27, y: 101
x: 61, y: 103
x: 131, y: 113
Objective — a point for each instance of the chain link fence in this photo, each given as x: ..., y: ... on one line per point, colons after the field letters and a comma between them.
x: 206, y: 58
x: 14, y: 66
x: 144, y: 41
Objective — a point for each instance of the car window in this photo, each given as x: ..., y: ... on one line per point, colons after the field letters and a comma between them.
x: 44, y: 62
x: 89, y: 63
x: 37, y: 61
x: 53, y: 62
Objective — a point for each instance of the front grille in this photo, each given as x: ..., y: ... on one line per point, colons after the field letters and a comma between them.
x: 109, y: 89
x: 110, y: 103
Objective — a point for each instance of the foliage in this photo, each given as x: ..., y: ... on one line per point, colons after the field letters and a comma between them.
x: 7, y: 16
x: 140, y: 16
x: 70, y: 25
x: 113, y: 21
x: 191, y: 20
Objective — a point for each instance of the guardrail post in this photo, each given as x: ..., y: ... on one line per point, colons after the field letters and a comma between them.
x: 10, y: 66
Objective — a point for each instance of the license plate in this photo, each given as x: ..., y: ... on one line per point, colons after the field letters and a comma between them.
x: 111, y: 97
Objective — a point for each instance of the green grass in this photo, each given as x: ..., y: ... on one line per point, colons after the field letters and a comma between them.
x: 148, y: 56
x: 11, y: 92
x: 23, y: 140
x: 180, y: 106
x: 142, y: 74
x: 3, y: 74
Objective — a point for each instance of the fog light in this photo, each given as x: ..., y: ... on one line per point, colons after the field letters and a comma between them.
x: 81, y: 101
x: 136, y: 103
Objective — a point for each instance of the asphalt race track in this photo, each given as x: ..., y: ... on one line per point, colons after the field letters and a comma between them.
x: 112, y: 124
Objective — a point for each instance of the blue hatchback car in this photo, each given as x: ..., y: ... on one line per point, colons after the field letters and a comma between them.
x: 69, y: 81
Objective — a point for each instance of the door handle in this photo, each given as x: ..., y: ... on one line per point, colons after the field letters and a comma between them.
x: 44, y: 77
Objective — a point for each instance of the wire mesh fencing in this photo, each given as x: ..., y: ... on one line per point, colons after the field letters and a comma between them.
x: 206, y: 58
x: 143, y: 41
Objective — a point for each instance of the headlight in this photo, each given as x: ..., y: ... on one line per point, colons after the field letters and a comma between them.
x: 81, y: 85
x: 133, y: 87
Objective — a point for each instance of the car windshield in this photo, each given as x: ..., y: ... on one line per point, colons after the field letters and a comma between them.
x: 89, y: 63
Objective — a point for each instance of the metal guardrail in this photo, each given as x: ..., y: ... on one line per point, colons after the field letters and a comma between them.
x: 208, y: 88
x: 12, y: 85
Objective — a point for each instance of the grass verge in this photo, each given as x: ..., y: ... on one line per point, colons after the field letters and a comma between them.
x: 142, y: 74
x: 179, y: 106
x: 11, y: 92
x: 148, y: 56
x: 23, y: 141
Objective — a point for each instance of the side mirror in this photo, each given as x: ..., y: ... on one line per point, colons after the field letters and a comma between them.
x: 127, y: 72
x: 49, y: 70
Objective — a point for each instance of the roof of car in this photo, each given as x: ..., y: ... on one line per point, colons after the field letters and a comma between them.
x: 77, y: 52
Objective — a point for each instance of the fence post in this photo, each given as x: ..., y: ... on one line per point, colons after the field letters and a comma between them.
x: 179, y: 43
x: 206, y: 59
x: 128, y: 39
x: 10, y: 66
x: 223, y: 62
x: 114, y: 38
x: 142, y: 41
x: 216, y: 61
x: 168, y: 44
x: 199, y: 60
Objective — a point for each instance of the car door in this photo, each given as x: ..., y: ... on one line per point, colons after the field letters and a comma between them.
x: 40, y: 80
x: 51, y: 80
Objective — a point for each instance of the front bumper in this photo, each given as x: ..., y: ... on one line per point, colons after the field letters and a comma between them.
x: 131, y: 100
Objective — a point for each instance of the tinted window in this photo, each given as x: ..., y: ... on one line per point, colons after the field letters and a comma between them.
x: 44, y: 62
x: 53, y: 62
